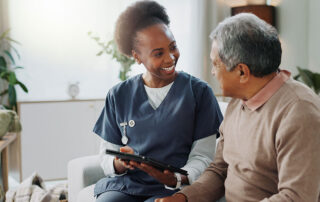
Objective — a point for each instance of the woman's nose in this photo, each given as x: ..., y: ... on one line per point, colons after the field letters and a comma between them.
x: 169, y: 58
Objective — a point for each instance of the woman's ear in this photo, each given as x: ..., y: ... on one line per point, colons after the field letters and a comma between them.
x: 136, y: 57
x: 244, y: 72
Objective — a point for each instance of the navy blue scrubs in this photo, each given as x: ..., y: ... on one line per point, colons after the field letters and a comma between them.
x: 188, y: 113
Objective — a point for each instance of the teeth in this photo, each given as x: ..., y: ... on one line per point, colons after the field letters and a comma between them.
x: 168, y: 68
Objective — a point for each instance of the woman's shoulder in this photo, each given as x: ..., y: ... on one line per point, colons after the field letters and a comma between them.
x: 196, y: 83
x: 127, y: 86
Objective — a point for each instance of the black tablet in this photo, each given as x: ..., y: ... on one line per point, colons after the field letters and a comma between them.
x: 142, y: 159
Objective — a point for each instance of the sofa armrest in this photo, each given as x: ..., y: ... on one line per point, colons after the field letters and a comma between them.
x: 82, y: 172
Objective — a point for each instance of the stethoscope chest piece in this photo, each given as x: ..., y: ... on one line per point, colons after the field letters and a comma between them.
x: 124, y: 139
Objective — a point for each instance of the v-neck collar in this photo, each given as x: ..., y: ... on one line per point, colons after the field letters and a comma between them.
x: 145, y: 95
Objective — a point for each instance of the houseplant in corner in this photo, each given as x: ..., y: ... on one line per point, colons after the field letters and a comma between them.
x: 111, y: 49
x: 311, y: 79
x: 8, y: 78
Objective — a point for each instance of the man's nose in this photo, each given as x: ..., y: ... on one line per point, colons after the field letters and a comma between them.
x: 213, y: 72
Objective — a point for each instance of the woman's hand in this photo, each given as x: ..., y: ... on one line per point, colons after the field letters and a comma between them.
x: 174, y: 198
x: 121, y: 166
x: 166, y: 177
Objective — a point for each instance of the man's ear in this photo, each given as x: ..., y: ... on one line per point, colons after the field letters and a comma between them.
x: 136, y: 57
x: 244, y: 72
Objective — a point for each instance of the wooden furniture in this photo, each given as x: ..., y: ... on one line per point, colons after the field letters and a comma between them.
x: 265, y: 12
x: 4, y: 147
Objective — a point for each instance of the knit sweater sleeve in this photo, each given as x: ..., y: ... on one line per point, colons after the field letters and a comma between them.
x: 297, y: 145
x: 210, y: 185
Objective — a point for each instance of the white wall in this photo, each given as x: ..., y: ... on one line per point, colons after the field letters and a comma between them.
x: 314, y: 35
x: 292, y: 23
x: 57, y: 51
x: 1, y: 16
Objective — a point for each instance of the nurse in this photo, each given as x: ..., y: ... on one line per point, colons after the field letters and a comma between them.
x: 167, y: 115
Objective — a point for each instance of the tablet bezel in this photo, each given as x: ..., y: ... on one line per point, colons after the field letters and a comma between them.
x: 143, y: 159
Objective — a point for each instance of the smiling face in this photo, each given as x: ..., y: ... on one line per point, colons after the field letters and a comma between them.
x: 156, y: 49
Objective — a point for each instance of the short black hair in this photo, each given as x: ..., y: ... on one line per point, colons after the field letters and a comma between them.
x: 136, y: 17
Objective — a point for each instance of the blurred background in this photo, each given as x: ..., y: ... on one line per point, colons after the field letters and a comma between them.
x: 67, y: 82
x: 56, y: 50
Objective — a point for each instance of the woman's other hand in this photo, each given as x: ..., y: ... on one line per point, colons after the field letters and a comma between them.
x: 121, y: 166
x: 174, y: 198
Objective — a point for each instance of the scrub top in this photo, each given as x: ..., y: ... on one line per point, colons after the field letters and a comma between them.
x: 188, y: 113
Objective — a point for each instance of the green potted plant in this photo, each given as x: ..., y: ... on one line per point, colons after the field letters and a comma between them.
x: 8, y: 78
x: 311, y: 79
x: 111, y: 49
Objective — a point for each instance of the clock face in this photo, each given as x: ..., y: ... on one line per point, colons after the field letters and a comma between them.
x: 73, y: 90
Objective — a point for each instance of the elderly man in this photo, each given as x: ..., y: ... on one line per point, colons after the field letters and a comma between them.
x: 270, y: 138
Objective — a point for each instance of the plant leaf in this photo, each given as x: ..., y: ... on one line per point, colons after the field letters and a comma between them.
x: 3, y: 62
x: 100, y: 53
x: 316, y: 82
x: 4, y: 34
x: 12, y: 78
x: 4, y: 92
x: 96, y: 38
x: 5, y: 75
x: 306, y: 76
x: 18, y: 67
x: 2, y: 69
x: 12, y: 95
x: 16, y: 52
x: 9, y: 55
x: 12, y: 40
x: 7, y: 107
x: 24, y: 88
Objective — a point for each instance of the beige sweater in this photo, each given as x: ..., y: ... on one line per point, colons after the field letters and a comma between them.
x: 269, y: 154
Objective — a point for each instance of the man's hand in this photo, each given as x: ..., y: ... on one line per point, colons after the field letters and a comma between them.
x: 174, y: 198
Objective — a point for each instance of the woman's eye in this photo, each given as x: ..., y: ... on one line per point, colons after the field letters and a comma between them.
x: 173, y: 47
x: 159, y: 54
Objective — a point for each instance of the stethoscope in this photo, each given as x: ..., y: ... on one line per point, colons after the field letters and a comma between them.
x: 125, y: 138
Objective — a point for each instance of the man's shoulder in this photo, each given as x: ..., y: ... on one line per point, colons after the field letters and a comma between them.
x: 295, y: 101
x: 296, y: 93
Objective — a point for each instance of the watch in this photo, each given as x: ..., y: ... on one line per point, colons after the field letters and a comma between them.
x: 178, y: 185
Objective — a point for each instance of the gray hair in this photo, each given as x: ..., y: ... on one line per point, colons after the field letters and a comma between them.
x: 245, y: 38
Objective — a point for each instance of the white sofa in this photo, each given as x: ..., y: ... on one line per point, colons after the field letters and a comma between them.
x: 84, y: 172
